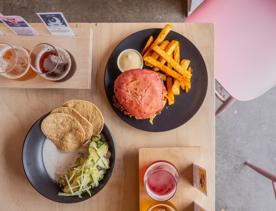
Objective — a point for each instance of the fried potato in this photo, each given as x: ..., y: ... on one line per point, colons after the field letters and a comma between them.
x: 172, y: 62
x: 164, y: 68
x: 169, y: 50
x: 163, y: 46
x: 176, y: 53
x: 176, y: 83
x: 185, y: 63
x: 64, y: 131
x: 154, y: 55
x: 160, y: 38
x: 148, y: 43
x: 162, y: 76
x: 86, y: 125
x: 188, y: 86
x: 176, y: 87
x: 170, y: 93
x: 89, y: 111
x: 168, y: 60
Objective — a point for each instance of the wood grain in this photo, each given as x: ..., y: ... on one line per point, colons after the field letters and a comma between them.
x: 21, y: 107
x: 80, y: 47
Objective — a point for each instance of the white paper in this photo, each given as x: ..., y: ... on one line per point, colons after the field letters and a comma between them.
x: 195, y: 5
x: 56, y: 23
x: 18, y: 25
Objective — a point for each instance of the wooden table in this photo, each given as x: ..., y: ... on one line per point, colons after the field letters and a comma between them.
x: 21, y: 107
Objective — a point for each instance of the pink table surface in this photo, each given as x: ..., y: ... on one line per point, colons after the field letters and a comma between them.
x: 245, y: 44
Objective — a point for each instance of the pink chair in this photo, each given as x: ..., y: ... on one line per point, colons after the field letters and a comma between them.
x: 266, y: 174
x: 245, y: 45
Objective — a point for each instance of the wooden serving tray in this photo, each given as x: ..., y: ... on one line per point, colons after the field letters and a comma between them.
x: 80, y: 46
x: 182, y: 158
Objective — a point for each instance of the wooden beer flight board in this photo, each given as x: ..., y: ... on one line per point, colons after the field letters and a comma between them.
x: 80, y: 47
x: 183, y: 158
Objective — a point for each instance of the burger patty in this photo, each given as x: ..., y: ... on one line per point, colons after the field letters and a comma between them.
x: 140, y: 92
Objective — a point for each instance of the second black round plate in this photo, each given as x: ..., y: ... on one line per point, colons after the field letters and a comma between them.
x: 186, y: 104
x: 37, y: 174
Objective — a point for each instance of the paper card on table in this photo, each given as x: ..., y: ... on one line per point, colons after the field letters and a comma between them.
x: 199, y: 178
x: 18, y: 25
x: 1, y: 33
x: 56, y: 23
x: 197, y: 207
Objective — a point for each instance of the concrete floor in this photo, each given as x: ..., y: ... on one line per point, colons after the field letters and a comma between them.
x: 99, y: 10
x: 246, y: 131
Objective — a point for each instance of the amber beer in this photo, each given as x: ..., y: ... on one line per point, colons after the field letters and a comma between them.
x: 42, y: 60
x: 15, y: 62
x: 50, y: 62
x: 162, y: 207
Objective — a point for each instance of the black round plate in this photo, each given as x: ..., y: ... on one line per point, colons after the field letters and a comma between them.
x: 37, y: 175
x: 186, y: 104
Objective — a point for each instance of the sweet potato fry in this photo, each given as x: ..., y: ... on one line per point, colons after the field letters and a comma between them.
x: 160, y: 38
x: 186, y: 86
x: 176, y: 53
x: 162, y: 76
x: 172, y: 62
x: 171, y: 47
x: 169, y: 50
x: 148, y: 64
x: 176, y: 87
x: 164, y: 68
x: 148, y: 43
x: 155, y: 55
x: 163, y: 46
x: 190, y: 70
x: 185, y: 63
x: 170, y: 93
x: 176, y: 83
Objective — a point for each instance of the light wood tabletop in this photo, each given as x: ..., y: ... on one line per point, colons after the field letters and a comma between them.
x: 20, y: 108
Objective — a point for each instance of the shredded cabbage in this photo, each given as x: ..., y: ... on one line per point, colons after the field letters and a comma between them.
x: 86, y: 173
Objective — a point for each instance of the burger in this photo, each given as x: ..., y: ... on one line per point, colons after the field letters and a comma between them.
x: 140, y: 93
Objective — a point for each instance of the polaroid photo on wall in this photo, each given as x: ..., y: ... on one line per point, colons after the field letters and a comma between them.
x: 56, y: 23
x: 18, y: 25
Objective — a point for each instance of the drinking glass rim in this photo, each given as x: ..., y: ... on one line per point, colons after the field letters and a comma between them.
x: 55, y: 50
x: 161, y: 204
x: 25, y: 51
x: 162, y: 161
x: 151, y: 166
x: 16, y: 56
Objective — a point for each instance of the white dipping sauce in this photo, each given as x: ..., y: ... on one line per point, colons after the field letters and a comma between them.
x: 129, y: 59
x: 57, y: 162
